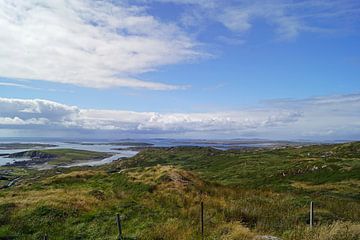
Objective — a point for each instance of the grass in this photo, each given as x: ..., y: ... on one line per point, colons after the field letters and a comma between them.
x: 275, y: 169
x: 64, y: 156
x: 158, y: 193
x: 9, y: 173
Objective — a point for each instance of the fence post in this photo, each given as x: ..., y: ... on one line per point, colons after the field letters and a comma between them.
x: 118, y: 221
x: 202, y: 219
x: 311, y: 214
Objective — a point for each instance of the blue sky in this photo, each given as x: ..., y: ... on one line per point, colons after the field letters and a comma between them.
x: 181, y: 68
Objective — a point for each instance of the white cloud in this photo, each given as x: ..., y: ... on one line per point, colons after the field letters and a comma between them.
x: 320, y: 117
x: 182, y: 122
x: 236, y: 19
x: 19, y: 113
x: 24, y: 86
x: 7, y: 84
x: 111, y: 43
x: 16, y: 121
x: 36, y: 109
x: 88, y: 43
x: 335, y: 116
x: 288, y: 18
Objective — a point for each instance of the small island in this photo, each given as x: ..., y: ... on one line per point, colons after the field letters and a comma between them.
x: 129, y: 143
x: 55, y: 157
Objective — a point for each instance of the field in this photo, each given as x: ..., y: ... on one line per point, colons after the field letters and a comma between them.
x: 247, y: 194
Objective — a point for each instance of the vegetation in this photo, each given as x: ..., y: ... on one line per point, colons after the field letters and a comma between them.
x: 10, y: 174
x: 246, y: 193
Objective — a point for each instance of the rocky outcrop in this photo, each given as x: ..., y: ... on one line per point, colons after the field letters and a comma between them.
x: 32, y: 154
x: 266, y: 237
x: 3, y: 177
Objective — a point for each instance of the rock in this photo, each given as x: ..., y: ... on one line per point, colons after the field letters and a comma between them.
x: 266, y: 237
x: 32, y: 154
x: 3, y: 178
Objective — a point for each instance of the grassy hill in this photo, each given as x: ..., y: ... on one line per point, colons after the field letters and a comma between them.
x: 261, y: 168
x: 246, y: 194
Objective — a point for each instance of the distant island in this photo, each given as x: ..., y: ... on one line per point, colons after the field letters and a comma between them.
x: 12, y: 146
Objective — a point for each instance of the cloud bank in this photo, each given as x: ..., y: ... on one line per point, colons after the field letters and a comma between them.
x: 88, y: 43
x: 18, y: 113
x: 330, y: 117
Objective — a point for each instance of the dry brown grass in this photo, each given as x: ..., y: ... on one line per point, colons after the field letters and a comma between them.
x: 169, y: 230
x: 335, y: 231
x: 170, y: 208
x: 165, y: 177
x: 235, y: 231
x: 74, y: 174
x: 64, y: 198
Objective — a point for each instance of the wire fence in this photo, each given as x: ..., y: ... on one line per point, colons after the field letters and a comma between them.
x: 202, y: 222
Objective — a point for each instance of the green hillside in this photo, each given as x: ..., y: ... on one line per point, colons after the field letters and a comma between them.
x: 246, y: 193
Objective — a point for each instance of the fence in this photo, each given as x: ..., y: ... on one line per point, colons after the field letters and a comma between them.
x: 202, y: 221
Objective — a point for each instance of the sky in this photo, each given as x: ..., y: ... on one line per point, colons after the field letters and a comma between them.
x: 274, y: 69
